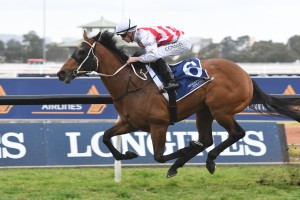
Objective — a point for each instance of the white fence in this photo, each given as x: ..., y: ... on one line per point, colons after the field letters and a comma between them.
x: 271, y: 68
x: 11, y: 70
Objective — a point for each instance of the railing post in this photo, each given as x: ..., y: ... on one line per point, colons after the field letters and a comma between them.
x: 118, y: 164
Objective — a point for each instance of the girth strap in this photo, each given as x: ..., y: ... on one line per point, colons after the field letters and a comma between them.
x: 172, y: 107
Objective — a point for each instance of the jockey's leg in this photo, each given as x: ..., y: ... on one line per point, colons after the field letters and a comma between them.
x: 168, y: 76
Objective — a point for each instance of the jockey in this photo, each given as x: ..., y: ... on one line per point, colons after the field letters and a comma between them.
x: 158, y: 42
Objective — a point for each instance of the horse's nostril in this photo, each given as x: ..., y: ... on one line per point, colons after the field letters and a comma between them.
x: 61, y: 74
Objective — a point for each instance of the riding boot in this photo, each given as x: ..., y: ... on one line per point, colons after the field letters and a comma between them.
x: 169, y: 81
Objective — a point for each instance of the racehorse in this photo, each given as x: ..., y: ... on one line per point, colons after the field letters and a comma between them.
x: 141, y: 106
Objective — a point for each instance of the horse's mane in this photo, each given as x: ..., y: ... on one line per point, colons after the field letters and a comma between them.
x: 107, y: 39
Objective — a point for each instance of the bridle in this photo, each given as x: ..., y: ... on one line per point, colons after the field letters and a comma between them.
x: 92, y: 46
x: 143, y: 75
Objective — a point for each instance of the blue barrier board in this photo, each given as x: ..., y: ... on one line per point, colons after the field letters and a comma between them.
x: 92, y: 86
x: 48, y: 144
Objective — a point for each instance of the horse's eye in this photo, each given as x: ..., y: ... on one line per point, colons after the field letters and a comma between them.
x: 80, y: 52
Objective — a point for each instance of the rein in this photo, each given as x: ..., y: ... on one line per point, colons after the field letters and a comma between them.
x: 131, y: 91
x: 143, y: 75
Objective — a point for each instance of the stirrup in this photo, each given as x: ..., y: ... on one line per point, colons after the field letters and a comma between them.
x: 171, y: 86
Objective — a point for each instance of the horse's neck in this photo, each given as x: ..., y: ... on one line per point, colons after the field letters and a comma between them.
x: 109, y: 65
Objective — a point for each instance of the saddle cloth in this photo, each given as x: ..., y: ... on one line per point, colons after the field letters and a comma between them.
x: 188, y: 73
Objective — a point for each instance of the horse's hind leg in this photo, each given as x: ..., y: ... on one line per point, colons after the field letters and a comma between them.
x: 119, y: 129
x: 235, y: 134
x: 204, y: 121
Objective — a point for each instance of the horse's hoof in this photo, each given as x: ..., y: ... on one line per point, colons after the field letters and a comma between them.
x: 130, y: 155
x: 211, y: 167
x: 171, y: 173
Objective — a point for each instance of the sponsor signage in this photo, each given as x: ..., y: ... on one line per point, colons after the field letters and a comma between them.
x: 91, y: 86
x: 51, y: 86
x: 48, y: 144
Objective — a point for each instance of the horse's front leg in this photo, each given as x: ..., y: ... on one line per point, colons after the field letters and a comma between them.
x: 204, y: 121
x: 191, y: 151
x: 158, y: 136
x: 119, y: 129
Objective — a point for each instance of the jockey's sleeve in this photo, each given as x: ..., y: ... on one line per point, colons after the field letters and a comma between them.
x: 151, y: 54
x: 149, y: 43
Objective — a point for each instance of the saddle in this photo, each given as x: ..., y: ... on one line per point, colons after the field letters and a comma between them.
x: 189, y: 74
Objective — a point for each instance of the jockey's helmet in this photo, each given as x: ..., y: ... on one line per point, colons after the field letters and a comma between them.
x: 125, y: 26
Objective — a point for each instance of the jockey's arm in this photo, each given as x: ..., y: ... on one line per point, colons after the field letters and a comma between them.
x: 150, y: 45
x: 133, y: 59
x: 151, y: 55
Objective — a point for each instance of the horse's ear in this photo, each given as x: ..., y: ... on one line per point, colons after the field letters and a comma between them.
x: 85, y: 36
x: 97, y: 37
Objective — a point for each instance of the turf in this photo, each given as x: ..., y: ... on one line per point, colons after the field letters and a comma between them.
x: 228, y: 182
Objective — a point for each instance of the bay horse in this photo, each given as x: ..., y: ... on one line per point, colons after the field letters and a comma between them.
x: 141, y: 106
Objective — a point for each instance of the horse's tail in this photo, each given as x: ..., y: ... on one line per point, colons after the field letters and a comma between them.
x: 288, y: 107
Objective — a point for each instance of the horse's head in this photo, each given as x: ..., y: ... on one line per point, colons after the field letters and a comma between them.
x: 82, y: 60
